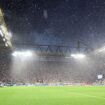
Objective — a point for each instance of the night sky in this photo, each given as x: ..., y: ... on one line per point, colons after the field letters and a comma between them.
x: 57, y: 22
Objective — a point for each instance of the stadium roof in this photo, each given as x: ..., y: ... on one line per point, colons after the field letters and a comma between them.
x: 5, y: 39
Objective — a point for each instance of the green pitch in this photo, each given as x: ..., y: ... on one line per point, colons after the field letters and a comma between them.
x: 63, y: 95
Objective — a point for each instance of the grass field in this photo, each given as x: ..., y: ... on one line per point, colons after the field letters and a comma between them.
x: 63, y: 95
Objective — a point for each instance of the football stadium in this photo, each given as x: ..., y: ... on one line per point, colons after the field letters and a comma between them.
x: 52, y: 52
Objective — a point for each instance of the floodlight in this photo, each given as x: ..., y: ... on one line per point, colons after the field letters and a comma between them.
x: 78, y: 56
x: 6, y: 44
x: 4, y: 39
x: 1, y: 33
x: 22, y: 53
x: 28, y: 53
x: 14, y: 54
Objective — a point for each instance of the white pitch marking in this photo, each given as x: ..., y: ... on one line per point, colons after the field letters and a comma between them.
x: 87, y: 95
